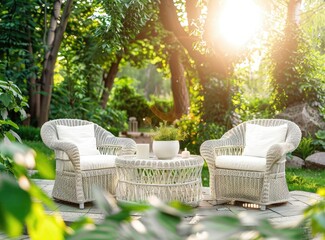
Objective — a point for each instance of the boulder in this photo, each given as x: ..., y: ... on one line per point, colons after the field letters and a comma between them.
x: 316, y: 161
x: 295, y: 162
x: 306, y: 117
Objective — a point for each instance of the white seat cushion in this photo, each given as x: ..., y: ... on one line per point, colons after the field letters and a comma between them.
x: 258, y: 139
x: 82, y: 136
x: 247, y: 163
x: 93, y: 162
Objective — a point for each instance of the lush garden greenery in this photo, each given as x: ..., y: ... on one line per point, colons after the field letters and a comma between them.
x: 106, y: 61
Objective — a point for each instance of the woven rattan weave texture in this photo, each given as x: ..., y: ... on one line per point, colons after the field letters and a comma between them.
x: 262, y: 188
x: 73, y: 184
x: 176, y: 179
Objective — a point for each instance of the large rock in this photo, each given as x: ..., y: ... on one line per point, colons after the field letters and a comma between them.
x: 316, y: 161
x: 306, y: 117
x: 295, y: 162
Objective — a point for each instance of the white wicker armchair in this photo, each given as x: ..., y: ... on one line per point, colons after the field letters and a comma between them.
x: 76, y: 174
x: 237, y: 177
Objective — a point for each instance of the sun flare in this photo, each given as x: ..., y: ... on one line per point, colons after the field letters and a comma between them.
x: 239, y: 21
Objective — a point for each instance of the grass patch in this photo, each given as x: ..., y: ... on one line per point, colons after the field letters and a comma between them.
x: 305, y: 179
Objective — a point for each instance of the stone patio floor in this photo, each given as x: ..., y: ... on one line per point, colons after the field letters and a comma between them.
x: 285, y: 214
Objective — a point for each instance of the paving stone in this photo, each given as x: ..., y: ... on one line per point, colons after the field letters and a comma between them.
x: 298, y: 203
x: 71, y: 208
x: 290, y: 212
x: 205, y: 204
x: 95, y: 210
x: 205, y: 211
x: 71, y: 216
x: 306, y: 194
x: 96, y: 217
x: 287, y: 211
x: 284, y: 222
x: 305, y: 199
x: 236, y: 209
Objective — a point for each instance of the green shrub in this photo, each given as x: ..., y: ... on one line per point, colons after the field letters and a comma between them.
x: 196, y: 132
x: 29, y: 133
x: 305, y: 148
x: 319, y: 142
x: 125, y: 98
x: 113, y: 120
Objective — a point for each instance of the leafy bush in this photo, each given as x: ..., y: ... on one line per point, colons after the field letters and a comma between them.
x: 305, y: 148
x: 75, y: 103
x: 125, y: 98
x: 29, y: 133
x: 196, y: 132
x: 11, y: 102
x: 110, y: 119
x: 319, y: 142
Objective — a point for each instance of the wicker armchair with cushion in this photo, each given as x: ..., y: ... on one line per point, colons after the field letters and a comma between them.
x: 248, y: 163
x: 85, y: 156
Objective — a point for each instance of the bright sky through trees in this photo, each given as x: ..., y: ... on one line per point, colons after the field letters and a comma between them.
x: 239, y: 21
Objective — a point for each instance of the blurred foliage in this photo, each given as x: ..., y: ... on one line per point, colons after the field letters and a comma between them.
x: 315, y: 216
x: 23, y: 203
x: 165, y: 221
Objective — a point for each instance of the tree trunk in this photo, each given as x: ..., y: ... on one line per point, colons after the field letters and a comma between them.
x: 218, y: 63
x: 33, y: 87
x: 108, y: 79
x: 54, y: 40
x: 179, y: 90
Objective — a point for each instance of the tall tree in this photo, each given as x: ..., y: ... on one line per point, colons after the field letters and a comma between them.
x: 57, y: 28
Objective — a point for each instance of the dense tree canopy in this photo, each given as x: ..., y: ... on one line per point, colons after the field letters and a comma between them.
x: 76, y: 49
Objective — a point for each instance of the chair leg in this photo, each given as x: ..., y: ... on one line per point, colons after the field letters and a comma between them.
x: 81, y: 205
x: 262, y: 207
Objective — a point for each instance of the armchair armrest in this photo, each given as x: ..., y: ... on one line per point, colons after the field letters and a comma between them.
x: 70, y: 149
x: 276, y: 152
x: 110, y: 149
x: 128, y: 145
x: 210, y: 148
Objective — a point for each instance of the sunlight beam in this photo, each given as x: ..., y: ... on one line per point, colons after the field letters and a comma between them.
x: 239, y: 21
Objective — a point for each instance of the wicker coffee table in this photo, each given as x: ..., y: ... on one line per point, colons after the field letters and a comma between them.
x: 176, y: 179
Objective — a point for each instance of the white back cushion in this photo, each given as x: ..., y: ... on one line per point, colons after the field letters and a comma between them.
x: 82, y: 136
x: 259, y: 138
